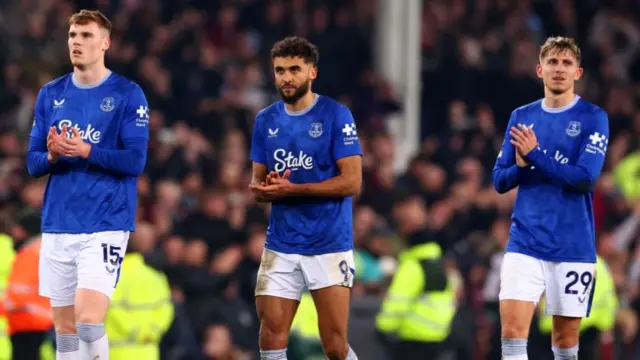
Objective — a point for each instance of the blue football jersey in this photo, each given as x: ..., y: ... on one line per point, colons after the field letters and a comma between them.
x: 98, y: 193
x: 308, y: 143
x: 553, y: 216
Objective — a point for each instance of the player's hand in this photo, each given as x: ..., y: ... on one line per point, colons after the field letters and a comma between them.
x: 524, y: 139
x: 520, y: 161
x: 75, y: 146
x: 276, y: 175
x: 276, y: 187
x: 53, y: 143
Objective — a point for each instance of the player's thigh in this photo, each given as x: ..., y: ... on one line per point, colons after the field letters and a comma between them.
x: 57, y: 276
x: 330, y: 278
x: 522, y: 282
x: 279, y: 286
x: 99, y: 264
x: 332, y: 305
x: 570, y: 286
x: 64, y: 319
x: 276, y: 315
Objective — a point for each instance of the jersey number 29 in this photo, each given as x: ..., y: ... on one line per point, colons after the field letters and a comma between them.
x: 585, y: 279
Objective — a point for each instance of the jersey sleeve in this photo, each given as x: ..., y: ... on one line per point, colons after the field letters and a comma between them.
x: 39, y: 129
x: 345, y: 141
x: 37, y: 154
x: 506, y: 173
x: 135, y: 121
x: 130, y: 160
x: 583, y: 175
x: 258, y: 150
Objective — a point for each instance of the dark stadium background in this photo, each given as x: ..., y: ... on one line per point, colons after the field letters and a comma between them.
x: 204, y: 67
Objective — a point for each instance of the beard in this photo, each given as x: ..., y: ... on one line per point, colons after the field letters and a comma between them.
x: 558, y: 90
x: 300, y: 91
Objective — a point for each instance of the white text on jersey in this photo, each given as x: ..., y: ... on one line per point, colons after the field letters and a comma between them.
x: 286, y: 160
x: 90, y: 133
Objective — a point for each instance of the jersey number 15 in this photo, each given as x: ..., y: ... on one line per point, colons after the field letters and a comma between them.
x: 111, y: 256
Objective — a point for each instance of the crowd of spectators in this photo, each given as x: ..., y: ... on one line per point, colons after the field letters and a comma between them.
x: 205, y: 69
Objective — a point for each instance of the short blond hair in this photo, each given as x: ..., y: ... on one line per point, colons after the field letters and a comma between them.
x: 556, y: 44
x: 85, y: 17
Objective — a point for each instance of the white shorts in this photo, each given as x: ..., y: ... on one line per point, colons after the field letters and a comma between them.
x: 568, y: 286
x: 287, y: 275
x: 86, y: 261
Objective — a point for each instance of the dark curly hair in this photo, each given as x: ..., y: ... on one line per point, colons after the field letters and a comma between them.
x: 295, y: 46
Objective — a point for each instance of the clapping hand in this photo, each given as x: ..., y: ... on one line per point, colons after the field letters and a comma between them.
x: 274, y: 187
x: 520, y: 161
x: 524, y: 140
x: 75, y: 146
x: 54, y: 141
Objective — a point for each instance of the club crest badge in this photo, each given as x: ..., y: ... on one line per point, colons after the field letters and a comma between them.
x: 316, y: 130
x: 573, y: 129
x: 108, y: 104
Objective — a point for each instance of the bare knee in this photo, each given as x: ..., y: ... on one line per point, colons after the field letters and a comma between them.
x: 335, y: 345
x: 64, y: 320
x: 91, y: 306
x: 514, y: 330
x: 515, y: 318
x: 274, y: 333
x: 566, y: 332
x: 276, y: 315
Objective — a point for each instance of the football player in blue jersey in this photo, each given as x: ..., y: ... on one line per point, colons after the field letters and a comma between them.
x: 307, y: 162
x: 554, y: 151
x: 89, y: 135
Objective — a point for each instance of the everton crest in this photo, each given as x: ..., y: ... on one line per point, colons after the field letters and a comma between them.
x: 316, y: 130
x: 108, y: 104
x: 573, y: 129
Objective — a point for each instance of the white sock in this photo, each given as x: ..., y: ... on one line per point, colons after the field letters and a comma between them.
x: 565, y: 354
x: 514, y: 349
x: 67, y: 347
x: 93, y: 342
x: 273, y: 354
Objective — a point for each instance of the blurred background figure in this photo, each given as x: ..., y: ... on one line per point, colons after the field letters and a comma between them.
x: 141, y: 308
x: 28, y: 314
x: 431, y: 84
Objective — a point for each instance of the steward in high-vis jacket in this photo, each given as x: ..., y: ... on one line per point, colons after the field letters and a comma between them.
x: 141, y: 310
x: 7, y: 254
x: 420, y: 305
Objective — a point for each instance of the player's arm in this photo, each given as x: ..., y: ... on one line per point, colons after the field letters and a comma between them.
x: 134, y: 136
x: 506, y: 173
x: 345, y: 146
x: 39, y: 161
x: 259, y: 158
x: 347, y: 183
x: 583, y: 175
x: 259, y: 177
